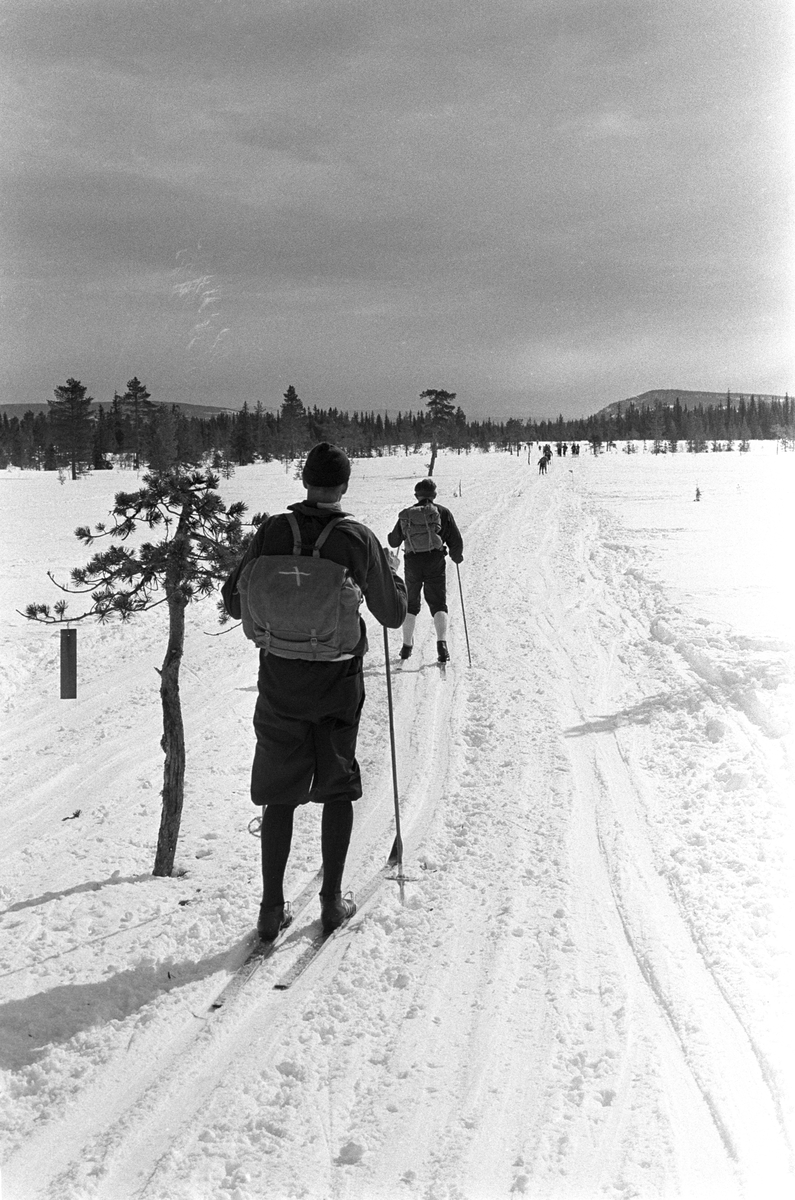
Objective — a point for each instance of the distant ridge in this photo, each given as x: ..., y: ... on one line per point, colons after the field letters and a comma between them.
x: 190, y: 410
x: 667, y: 397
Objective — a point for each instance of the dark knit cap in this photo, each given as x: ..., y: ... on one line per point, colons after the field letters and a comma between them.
x: 326, y: 466
x: 425, y: 487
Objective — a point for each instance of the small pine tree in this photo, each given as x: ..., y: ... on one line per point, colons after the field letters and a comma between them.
x: 202, y: 541
x: 440, y: 406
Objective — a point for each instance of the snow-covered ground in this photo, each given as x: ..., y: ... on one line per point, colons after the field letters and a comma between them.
x: 586, y: 989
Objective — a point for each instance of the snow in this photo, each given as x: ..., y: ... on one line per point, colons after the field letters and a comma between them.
x: 584, y: 990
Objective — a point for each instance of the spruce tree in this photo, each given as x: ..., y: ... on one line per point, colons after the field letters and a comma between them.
x: 292, y: 424
x: 70, y: 420
x: 242, y: 439
x: 136, y: 400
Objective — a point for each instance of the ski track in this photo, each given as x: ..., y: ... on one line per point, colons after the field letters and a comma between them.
x: 546, y: 1012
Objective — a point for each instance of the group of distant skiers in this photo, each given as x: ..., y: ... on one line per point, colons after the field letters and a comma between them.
x: 562, y: 450
x: 298, y: 591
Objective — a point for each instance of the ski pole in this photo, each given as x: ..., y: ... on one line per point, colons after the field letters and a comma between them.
x: 396, y: 855
x: 463, y: 612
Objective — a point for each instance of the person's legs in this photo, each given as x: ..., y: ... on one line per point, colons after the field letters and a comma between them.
x: 413, y: 576
x: 335, y: 837
x: 408, y: 634
x: 307, y: 757
x: 336, y: 829
x: 436, y: 597
x: 276, y: 835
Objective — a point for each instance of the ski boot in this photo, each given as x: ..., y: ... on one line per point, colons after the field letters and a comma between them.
x: 442, y: 653
x: 405, y: 652
x: 273, y: 920
x: 334, y: 910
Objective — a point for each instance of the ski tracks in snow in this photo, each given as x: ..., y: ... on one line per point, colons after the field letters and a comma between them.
x: 547, y: 1011
x: 594, y: 647
x: 162, y: 1104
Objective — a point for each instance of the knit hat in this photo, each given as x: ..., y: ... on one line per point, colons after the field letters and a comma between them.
x: 326, y: 466
x: 425, y: 487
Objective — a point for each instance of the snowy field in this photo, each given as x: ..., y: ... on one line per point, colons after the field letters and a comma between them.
x: 587, y: 991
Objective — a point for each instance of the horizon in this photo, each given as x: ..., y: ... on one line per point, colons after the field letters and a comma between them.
x: 544, y: 208
x: 392, y: 414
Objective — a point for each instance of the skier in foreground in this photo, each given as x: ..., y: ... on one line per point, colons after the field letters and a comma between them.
x: 429, y: 531
x: 311, y: 690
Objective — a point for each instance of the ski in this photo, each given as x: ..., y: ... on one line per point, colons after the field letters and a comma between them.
x: 321, y: 939
x: 259, y: 951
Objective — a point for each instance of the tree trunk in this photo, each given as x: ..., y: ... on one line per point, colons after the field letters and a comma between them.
x: 434, y: 449
x: 173, y: 740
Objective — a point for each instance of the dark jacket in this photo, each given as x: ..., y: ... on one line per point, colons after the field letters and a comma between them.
x: 351, y: 544
x: 449, y: 533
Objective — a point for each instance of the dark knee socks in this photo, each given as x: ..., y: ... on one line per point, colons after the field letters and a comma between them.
x: 276, y: 835
x: 335, y: 836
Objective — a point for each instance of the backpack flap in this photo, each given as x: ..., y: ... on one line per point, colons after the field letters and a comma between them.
x: 421, y: 525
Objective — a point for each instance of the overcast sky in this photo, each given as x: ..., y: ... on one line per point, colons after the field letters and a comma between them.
x: 541, y: 205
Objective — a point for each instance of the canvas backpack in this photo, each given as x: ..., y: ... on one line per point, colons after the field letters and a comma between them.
x: 421, y: 525
x: 295, y: 606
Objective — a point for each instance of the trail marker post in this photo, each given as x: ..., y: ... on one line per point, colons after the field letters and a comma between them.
x: 68, y: 664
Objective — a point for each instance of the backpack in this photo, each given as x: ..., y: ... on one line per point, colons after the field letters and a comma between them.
x: 421, y: 525
x: 295, y: 606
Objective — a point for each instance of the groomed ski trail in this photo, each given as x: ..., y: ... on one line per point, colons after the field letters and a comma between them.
x: 550, y: 1013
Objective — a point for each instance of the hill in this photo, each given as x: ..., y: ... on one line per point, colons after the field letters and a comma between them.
x: 668, y: 397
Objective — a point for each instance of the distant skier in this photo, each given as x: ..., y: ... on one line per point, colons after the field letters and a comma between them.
x: 543, y: 463
x: 698, y: 493
x: 429, y: 531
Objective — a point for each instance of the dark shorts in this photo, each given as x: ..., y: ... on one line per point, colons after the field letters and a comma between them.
x: 426, y: 572
x: 307, y: 721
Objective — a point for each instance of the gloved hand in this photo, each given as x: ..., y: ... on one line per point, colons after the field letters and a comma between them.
x: 460, y: 559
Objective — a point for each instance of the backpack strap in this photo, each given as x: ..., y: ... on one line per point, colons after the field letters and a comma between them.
x: 296, y: 532
x: 297, y: 543
x: 324, y: 534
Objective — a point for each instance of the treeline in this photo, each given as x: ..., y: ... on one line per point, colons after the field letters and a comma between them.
x: 738, y: 418
x: 77, y: 435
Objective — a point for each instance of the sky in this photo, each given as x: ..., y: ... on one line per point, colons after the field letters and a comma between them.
x: 543, y: 206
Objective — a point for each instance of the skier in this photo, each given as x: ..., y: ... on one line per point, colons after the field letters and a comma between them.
x: 543, y: 463
x: 308, y: 707
x: 429, y: 531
